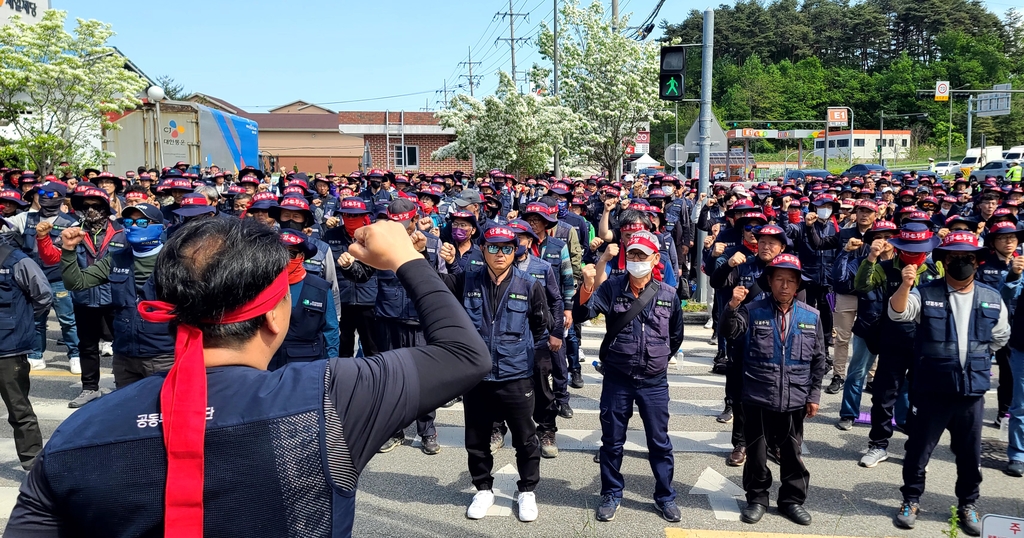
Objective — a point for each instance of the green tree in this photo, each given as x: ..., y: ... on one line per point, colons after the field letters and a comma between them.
x: 172, y: 88
x: 57, y: 87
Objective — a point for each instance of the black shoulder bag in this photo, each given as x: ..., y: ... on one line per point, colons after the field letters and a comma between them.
x: 619, y: 322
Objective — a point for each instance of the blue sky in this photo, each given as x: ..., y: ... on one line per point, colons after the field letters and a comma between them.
x: 258, y: 54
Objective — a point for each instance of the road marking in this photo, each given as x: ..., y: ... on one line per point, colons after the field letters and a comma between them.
x: 49, y: 410
x: 8, y: 498
x: 590, y: 440
x: 684, y: 381
x: 672, y: 532
x: 53, y: 373
x: 504, y: 487
x: 722, y: 494
x: 590, y: 406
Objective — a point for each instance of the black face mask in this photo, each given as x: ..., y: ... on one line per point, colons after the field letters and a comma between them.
x: 960, y: 269
x: 292, y: 225
x: 375, y: 184
x: 49, y: 207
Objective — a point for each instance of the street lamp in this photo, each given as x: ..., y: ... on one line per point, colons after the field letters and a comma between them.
x: 156, y: 94
x: 881, y: 129
x: 949, y: 136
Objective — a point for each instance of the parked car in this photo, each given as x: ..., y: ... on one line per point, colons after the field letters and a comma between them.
x: 996, y: 168
x: 806, y: 173
x: 947, y: 168
x: 864, y: 169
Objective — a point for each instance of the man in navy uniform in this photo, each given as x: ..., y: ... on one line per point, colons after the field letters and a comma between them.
x: 783, y: 362
x: 960, y: 324
x: 635, y: 362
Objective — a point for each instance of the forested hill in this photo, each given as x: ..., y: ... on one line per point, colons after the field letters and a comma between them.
x: 787, y: 60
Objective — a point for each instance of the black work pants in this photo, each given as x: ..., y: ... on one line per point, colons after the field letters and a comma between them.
x: 889, y: 377
x: 513, y: 403
x: 14, y: 388
x: 764, y: 428
x: 734, y: 399
x: 354, y: 318
x: 1004, y: 393
x: 932, y: 414
x: 93, y: 323
x: 128, y: 370
x: 817, y: 297
x: 393, y: 334
x: 545, y: 406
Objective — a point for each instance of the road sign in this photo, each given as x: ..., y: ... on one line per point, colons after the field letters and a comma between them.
x: 942, y: 90
x: 994, y: 104
x: 692, y: 140
x: 643, y: 142
x: 1002, y: 526
x: 676, y: 155
x: 838, y: 117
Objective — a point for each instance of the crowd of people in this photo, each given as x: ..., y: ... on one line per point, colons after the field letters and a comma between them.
x: 810, y: 277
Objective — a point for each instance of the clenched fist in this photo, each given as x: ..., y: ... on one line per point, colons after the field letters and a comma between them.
x: 596, y: 244
x: 877, y: 247
x: 1017, y: 265
x: 943, y: 232
x: 43, y: 227
x: 909, y: 275
x: 718, y: 250
x: 810, y: 218
x: 71, y: 237
x: 419, y: 241
x: 737, y: 259
x: 739, y: 293
x: 384, y: 245
x: 448, y: 253
x: 610, y: 204
x: 853, y: 244
x: 332, y: 222
x: 610, y: 252
x: 345, y: 260
x: 589, y: 276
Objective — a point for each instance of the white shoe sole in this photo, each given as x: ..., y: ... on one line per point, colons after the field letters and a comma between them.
x: 873, y: 465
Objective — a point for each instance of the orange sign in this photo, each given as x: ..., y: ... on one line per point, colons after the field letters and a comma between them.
x: 838, y: 117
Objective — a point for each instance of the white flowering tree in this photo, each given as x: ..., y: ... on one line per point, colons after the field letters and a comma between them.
x: 57, y: 87
x: 507, y: 130
x: 610, y: 81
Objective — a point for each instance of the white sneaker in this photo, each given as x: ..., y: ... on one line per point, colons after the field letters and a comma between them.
x: 106, y: 349
x: 672, y: 361
x: 583, y: 356
x: 76, y: 365
x: 527, y: 503
x: 37, y: 364
x: 482, y: 501
x: 708, y: 325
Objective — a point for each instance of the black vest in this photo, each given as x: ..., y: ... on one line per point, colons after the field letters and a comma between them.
x: 31, y: 246
x: 305, y: 339
x: 133, y: 336
x: 17, y: 325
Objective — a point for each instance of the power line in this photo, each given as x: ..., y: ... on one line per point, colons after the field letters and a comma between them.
x: 381, y: 98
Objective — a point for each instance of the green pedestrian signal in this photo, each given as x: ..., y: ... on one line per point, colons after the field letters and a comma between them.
x: 670, y: 76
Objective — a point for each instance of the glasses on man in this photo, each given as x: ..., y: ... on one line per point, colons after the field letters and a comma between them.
x: 504, y: 249
x: 48, y: 194
x: 141, y: 223
x: 462, y: 225
x: 636, y: 256
x: 752, y: 228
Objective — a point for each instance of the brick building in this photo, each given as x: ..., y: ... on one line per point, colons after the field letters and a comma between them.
x: 402, y: 141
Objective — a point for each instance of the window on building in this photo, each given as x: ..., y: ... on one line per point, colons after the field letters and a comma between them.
x: 831, y: 143
x: 819, y: 144
x: 858, y: 142
x: 892, y: 142
x: 843, y: 143
x: 903, y: 142
x: 410, y: 158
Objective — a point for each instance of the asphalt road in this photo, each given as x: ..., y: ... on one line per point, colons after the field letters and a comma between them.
x: 406, y: 493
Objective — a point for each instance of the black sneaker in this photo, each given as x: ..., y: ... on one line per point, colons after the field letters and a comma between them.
x: 392, y: 443
x: 906, y: 518
x: 669, y: 511
x: 970, y: 523
x: 725, y: 417
x: 1015, y: 468
x: 606, y: 510
x: 429, y: 445
x: 564, y: 410
x: 835, y: 386
x: 576, y: 379
x: 869, y: 388
x: 845, y: 424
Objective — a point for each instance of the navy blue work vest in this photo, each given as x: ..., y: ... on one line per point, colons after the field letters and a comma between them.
x: 350, y: 293
x: 97, y: 296
x: 551, y: 252
x: 31, y: 246
x: 777, y: 374
x: 747, y: 275
x: 472, y: 260
x: 641, y: 349
x: 937, y: 367
x: 899, y: 334
x: 507, y: 334
x: 392, y: 300
x: 133, y: 336
x: 275, y: 422
x: 317, y: 265
x: 17, y: 325
x: 305, y: 339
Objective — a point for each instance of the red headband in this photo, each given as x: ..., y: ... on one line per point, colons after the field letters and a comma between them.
x: 183, y: 408
x: 633, y: 227
x: 399, y: 217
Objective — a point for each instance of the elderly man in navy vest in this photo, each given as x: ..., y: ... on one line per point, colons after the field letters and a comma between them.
x: 510, y: 312
x: 961, y: 323
x: 783, y: 361
x: 635, y: 363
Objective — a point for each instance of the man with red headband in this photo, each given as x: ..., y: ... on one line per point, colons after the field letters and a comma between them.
x: 302, y: 434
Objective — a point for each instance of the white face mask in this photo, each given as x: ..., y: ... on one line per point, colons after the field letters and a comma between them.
x: 638, y: 269
x: 824, y: 213
x: 944, y: 211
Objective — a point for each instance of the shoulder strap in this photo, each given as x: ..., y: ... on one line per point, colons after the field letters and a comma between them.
x: 5, y: 252
x: 619, y: 322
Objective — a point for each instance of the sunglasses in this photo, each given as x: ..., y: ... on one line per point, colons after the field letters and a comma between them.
x: 48, y: 194
x: 505, y: 249
x: 97, y: 207
x: 752, y: 228
x: 141, y: 223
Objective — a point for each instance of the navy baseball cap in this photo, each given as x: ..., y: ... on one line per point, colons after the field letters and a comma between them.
x: 149, y: 211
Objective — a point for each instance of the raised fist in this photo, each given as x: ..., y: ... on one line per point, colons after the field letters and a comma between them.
x: 424, y: 224
x: 737, y: 259
x: 1017, y: 265
x: 786, y: 200
x: 43, y: 227
x: 810, y: 218
x: 596, y: 244
x: 71, y: 237
x: 610, y: 252
x: 419, y: 241
x: 610, y: 204
x: 384, y: 245
x: 332, y: 222
x: 345, y: 260
x: 853, y: 244
x: 718, y: 250
x: 589, y: 276
x: 943, y: 232
x: 447, y: 253
x: 739, y: 293
x: 909, y: 275
x: 877, y: 248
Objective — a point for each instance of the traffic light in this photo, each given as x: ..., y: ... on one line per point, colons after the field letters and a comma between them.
x: 670, y: 79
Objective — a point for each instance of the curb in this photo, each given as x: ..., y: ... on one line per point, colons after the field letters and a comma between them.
x: 696, y: 318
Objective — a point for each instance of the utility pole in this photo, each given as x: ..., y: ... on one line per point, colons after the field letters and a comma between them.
x: 704, y: 126
x: 554, y: 82
x: 426, y: 106
x: 512, y: 33
x: 444, y: 92
x: 470, y: 63
x: 615, y: 16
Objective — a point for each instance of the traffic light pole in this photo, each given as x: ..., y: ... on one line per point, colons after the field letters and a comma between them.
x: 704, y: 126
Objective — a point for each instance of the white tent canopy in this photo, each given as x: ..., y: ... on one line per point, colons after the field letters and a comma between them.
x: 645, y: 161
